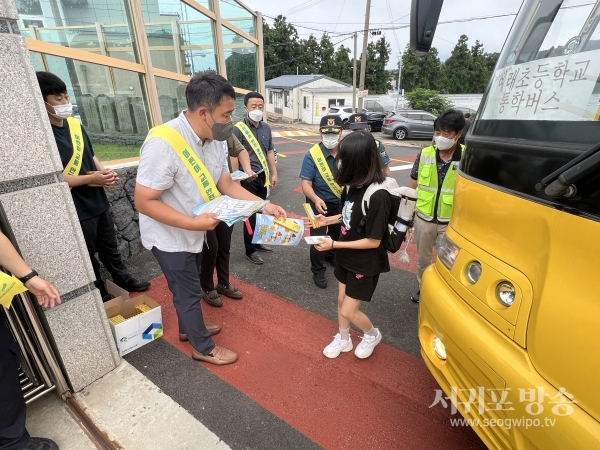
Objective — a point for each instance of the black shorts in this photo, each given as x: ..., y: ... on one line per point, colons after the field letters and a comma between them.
x: 359, y: 287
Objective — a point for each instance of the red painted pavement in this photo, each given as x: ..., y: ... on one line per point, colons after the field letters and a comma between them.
x: 378, y: 403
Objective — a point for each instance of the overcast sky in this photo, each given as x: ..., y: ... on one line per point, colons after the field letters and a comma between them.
x: 343, y: 16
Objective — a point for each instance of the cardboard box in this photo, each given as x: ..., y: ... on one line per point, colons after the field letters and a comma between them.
x: 137, y: 329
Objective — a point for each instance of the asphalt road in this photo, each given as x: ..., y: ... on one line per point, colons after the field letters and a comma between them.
x: 282, y: 393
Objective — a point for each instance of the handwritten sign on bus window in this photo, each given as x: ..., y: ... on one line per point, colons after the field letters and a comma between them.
x: 559, y: 88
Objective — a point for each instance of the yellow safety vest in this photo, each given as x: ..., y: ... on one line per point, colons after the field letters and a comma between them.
x: 428, y: 186
x: 9, y: 287
x: 202, y: 177
x: 323, y: 168
x: 74, y: 165
x: 256, y: 148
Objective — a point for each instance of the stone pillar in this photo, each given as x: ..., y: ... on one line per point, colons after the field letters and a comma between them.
x: 41, y: 214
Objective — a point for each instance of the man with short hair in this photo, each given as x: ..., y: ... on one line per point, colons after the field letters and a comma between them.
x: 87, y: 178
x: 322, y: 192
x: 360, y: 122
x: 433, y: 175
x: 183, y: 165
x: 255, y: 136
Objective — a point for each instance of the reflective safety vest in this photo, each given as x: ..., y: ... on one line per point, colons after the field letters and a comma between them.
x: 428, y: 187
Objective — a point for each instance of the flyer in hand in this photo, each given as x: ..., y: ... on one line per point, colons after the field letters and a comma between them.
x: 268, y: 232
x: 230, y: 210
x: 240, y: 175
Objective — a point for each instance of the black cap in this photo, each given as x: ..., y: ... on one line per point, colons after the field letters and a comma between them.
x: 331, y: 124
x: 358, y: 121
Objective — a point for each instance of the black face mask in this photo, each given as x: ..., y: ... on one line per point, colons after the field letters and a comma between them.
x: 221, y: 131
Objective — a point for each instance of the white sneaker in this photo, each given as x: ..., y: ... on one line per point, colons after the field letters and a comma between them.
x: 337, y: 346
x: 366, y: 346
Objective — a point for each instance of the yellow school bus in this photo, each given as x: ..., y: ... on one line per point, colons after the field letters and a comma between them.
x: 509, y: 318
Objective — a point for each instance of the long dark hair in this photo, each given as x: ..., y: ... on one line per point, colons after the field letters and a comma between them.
x: 359, y: 163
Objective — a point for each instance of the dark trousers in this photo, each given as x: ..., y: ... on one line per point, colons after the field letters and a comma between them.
x: 182, y: 271
x: 317, y: 258
x: 13, y: 435
x: 217, y: 246
x: 99, y: 235
x: 258, y: 188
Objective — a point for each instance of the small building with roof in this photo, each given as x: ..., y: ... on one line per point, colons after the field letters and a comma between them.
x: 304, y: 98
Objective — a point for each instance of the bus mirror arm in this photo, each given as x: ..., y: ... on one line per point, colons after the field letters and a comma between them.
x: 561, y: 182
x: 564, y: 184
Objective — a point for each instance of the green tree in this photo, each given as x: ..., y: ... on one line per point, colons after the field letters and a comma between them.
x: 479, y: 72
x: 454, y: 76
x: 309, y: 62
x: 428, y: 100
x: 343, y: 65
x: 326, y: 52
x: 420, y: 71
x: 282, y: 47
x: 378, y: 55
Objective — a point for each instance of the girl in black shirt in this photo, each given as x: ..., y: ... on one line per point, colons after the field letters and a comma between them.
x: 360, y: 254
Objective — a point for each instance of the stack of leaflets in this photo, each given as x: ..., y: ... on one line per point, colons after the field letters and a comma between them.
x: 230, y: 210
x: 240, y: 175
x: 272, y: 231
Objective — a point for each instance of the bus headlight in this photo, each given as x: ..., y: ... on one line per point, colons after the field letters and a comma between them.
x: 505, y: 293
x: 448, y: 252
x: 473, y: 272
x: 439, y: 348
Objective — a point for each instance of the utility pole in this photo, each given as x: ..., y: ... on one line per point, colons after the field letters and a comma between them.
x: 354, y: 77
x: 398, y: 86
x: 363, y: 61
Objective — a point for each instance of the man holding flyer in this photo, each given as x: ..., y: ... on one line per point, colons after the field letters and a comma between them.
x: 322, y: 193
x: 255, y: 136
x: 182, y: 165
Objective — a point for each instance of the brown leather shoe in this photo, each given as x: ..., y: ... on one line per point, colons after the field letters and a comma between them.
x: 219, y: 356
x: 212, y: 298
x: 229, y: 291
x: 212, y: 328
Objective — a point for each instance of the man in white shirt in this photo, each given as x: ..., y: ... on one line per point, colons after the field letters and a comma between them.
x: 166, y: 193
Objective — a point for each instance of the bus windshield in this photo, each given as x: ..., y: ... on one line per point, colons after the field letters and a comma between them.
x: 542, y: 106
x: 550, y: 64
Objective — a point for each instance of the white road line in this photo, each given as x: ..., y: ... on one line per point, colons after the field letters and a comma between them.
x: 404, y: 167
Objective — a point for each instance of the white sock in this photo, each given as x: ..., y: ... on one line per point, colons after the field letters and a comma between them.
x: 345, y: 333
x: 372, y: 332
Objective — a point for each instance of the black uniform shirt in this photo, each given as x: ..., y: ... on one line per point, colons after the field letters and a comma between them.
x: 89, y: 201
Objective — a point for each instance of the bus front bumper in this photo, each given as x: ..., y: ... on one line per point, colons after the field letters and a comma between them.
x: 491, y: 381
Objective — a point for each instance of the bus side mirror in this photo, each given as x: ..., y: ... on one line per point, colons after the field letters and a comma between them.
x: 424, y: 15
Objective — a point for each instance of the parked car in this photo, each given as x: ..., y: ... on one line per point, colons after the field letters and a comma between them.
x: 375, y: 121
x: 409, y: 124
x: 344, y: 112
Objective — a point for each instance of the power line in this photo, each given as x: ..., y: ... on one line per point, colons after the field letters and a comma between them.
x: 339, y: 15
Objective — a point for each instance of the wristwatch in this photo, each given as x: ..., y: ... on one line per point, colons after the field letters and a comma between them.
x: 24, y: 279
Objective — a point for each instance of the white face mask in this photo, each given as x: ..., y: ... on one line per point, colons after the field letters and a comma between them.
x: 444, y: 143
x: 62, y: 111
x: 330, y: 141
x: 256, y: 115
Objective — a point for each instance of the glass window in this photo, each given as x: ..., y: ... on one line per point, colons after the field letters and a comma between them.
x: 181, y: 39
x: 341, y: 102
x: 287, y: 99
x: 110, y: 103
x: 414, y: 116
x: 37, y: 61
x: 550, y: 65
x: 306, y: 102
x: 171, y: 97
x: 239, y: 112
x: 99, y: 27
x: 238, y: 16
x: 270, y: 97
x: 240, y: 61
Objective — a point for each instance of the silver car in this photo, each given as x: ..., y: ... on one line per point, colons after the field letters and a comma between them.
x: 409, y: 124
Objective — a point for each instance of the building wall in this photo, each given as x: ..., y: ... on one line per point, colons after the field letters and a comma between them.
x: 125, y: 64
x: 318, y: 101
